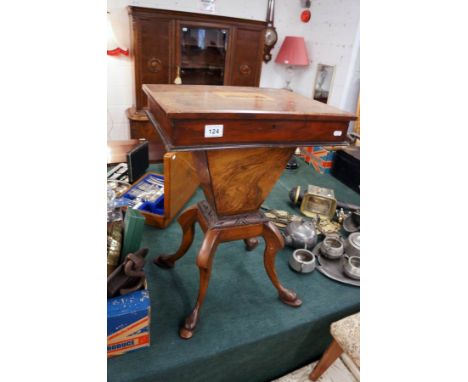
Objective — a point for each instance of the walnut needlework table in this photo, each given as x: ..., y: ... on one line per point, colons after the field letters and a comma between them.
x: 241, y: 139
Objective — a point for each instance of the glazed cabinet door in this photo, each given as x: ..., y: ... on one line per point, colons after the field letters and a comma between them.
x: 202, y: 52
x: 154, y: 41
x: 246, y: 57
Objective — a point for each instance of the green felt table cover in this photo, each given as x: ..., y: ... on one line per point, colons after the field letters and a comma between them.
x: 245, y: 333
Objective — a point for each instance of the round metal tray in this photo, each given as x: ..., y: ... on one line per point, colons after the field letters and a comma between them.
x: 333, y: 269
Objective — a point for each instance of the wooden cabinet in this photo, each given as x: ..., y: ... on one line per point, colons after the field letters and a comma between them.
x: 247, y: 53
x: 199, y: 48
x: 153, y: 54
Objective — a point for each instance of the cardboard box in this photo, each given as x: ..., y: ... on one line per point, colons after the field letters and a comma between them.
x: 128, y: 323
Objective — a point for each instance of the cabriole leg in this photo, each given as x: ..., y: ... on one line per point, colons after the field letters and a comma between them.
x: 204, y: 262
x: 273, y: 243
x: 187, y: 222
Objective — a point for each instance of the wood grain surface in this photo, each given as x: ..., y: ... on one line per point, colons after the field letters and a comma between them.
x: 236, y: 102
x: 241, y: 179
x: 251, y: 117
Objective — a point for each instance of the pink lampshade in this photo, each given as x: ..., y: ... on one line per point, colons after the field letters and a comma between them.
x: 293, y: 52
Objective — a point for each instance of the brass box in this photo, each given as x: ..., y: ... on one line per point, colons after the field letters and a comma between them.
x: 319, y: 201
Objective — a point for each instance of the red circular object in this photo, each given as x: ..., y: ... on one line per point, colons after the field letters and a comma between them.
x: 305, y: 16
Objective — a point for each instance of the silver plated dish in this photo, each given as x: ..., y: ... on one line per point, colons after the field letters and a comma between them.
x: 352, y: 266
x: 352, y: 244
x: 302, y: 261
x: 332, y: 269
x: 352, y: 222
x: 332, y: 247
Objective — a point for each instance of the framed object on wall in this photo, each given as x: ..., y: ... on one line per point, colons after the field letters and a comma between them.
x: 323, y: 82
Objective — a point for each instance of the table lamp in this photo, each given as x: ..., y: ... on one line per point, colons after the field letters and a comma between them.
x: 292, y: 53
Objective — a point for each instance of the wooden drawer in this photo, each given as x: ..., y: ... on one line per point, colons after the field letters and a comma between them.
x: 180, y: 179
x: 180, y: 183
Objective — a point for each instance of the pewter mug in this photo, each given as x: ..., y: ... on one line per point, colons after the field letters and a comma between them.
x: 352, y: 266
x: 332, y: 247
x: 302, y: 261
x: 353, y: 244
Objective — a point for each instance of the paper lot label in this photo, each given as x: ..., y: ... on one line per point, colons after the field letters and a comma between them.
x: 213, y: 131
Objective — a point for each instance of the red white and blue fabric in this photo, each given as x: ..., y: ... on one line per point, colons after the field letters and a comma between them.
x: 320, y: 158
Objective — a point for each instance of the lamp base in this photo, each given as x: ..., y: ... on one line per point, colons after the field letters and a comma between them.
x: 288, y: 87
x: 289, y: 76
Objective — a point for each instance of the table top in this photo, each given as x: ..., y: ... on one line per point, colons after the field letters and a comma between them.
x: 204, y: 117
x: 196, y: 101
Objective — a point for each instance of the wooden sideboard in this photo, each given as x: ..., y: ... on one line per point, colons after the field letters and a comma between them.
x: 199, y: 49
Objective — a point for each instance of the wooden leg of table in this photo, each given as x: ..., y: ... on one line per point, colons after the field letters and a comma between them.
x: 187, y: 222
x: 251, y: 243
x: 273, y: 243
x: 204, y: 262
x: 330, y: 356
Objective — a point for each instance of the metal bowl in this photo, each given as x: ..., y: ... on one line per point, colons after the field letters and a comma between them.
x: 332, y: 247
x: 302, y: 261
x: 352, y: 223
x: 352, y: 266
x: 353, y: 244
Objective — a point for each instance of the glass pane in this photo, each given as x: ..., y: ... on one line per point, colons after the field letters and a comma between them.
x: 203, y: 55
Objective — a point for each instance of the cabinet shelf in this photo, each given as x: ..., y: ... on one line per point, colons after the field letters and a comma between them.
x: 191, y: 65
x: 189, y: 45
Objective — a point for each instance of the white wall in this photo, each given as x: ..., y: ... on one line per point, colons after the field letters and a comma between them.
x: 332, y: 38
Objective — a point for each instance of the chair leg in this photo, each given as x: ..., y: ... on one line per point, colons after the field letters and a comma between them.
x: 330, y: 356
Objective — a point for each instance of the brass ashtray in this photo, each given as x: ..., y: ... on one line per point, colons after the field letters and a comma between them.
x: 319, y: 201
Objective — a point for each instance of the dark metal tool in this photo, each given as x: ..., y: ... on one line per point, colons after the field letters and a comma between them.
x: 128, y: 276
x: 347, y: 206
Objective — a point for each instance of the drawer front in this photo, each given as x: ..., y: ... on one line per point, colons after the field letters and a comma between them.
x: 192, y: 132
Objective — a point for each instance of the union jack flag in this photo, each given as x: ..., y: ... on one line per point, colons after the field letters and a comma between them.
x: 320, y: 158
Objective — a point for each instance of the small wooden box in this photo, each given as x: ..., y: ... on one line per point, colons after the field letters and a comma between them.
x: 180, y: 182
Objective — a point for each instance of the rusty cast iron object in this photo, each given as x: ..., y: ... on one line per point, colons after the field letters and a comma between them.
x: 128, y: 276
